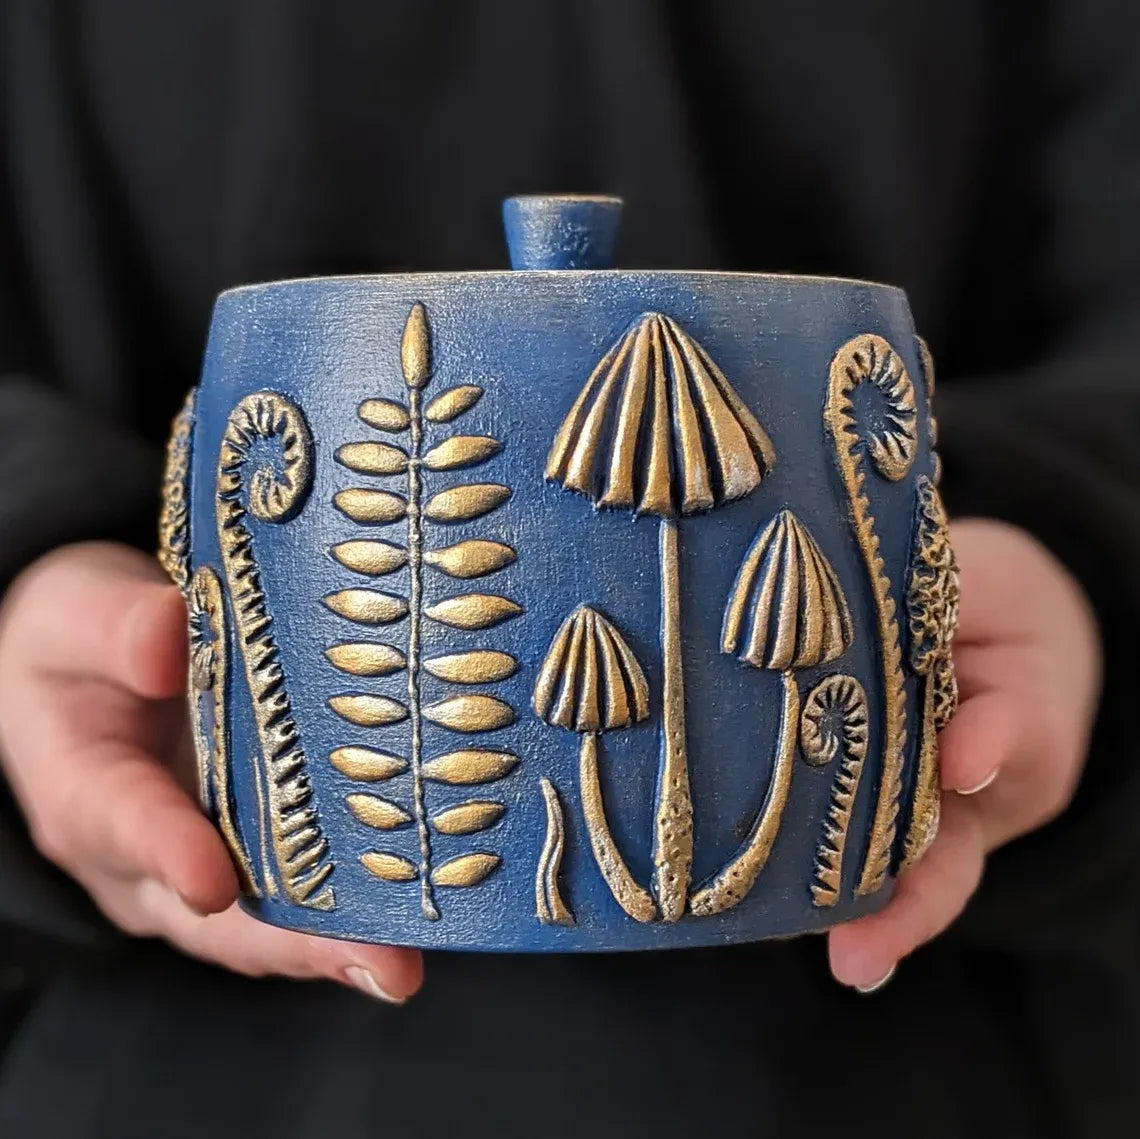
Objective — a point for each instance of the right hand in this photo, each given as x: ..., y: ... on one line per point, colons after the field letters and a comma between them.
x: 94, y: 741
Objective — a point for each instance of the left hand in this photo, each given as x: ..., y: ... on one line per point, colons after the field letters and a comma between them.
x: 1027, y: 656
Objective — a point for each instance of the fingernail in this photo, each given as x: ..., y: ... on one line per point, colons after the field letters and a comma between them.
x: 875, y: 986
x: 360, y: 978
x: 981, y: 785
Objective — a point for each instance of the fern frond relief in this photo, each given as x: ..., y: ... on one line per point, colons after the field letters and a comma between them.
x: 407, y: 500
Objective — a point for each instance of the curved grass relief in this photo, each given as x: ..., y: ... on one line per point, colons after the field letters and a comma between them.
x: 548, y: 901
x: 786, y: 612
x: 590, y: 683
x: 299, y: 848
x: 834, y: 723
x: 932, y: 603
x: 870, y: 359
x: 416, y: 459
x: 209, y: 676
x: 658, y: 429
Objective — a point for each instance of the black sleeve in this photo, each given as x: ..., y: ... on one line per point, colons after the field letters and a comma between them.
x: 1056, y: 450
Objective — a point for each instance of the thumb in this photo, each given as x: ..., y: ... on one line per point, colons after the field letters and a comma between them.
x: 99, y: 609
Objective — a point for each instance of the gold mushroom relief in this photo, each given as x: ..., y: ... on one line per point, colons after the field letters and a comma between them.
x: 892, y: 445
x: 401, y: 650
x: 932, y: 604
x: 786, y: 612
x: 658, y: 429
x: 590, y: 683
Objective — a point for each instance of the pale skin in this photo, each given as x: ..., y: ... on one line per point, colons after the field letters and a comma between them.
x: 94, y: 742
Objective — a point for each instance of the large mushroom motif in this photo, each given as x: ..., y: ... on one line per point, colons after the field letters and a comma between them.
x: 590, y: 683
x: 786, y: 612
x: 658, y: 429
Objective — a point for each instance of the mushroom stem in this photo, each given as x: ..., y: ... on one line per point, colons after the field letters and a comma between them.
x: 927, y: 799
x: 673, y: 834
x: 633, y: 898
x: 732, y: 884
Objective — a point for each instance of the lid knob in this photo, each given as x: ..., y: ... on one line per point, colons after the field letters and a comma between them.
x: 561, y: 231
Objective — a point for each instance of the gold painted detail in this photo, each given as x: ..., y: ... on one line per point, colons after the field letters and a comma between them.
x: 290, y: 827
x: 548, y: 901
x: 416, y: 504
x: 591, y: 683
x: 658, y: 429
x: 834, y: 723
x: 174, y: 519
x: 786, y: 612
x: 869, y: 359
x: 932, y: 604
x: 209, y: 676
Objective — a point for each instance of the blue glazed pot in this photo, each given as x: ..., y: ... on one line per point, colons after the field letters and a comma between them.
x: 567, y: 608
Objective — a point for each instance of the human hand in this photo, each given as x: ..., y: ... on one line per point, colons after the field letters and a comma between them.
x: 94, y: 741
x: 1027, y: 655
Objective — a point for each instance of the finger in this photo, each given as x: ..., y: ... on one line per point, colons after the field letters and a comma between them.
x: 243, y: 944
x: 982, y: 736
x: 120, y: 813
x: 109, y: 613
x: 926, y: 901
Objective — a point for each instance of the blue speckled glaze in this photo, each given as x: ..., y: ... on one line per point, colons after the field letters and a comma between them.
x: 531, y: 340
x: 573, y: 232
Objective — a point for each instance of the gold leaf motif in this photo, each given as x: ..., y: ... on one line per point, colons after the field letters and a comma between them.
x: 472, y: 558
x: 372, y: 458
x: 367, y: 606
x: 368, y: 711
x: 469, y: 766
x: 415, y: 348
x: 469, y: 818
x: 452, y: 403
x: 372, y: 558
x: 466, y: 870
x: 366, y: 765
x: 464, y: 503
x: 461, y: 451
x: 365, y: 658
x: 481, y: 666
x: 370, y: 507
x: 384, y: 414
x: 474, y: 713
x: 374, y: 811
x: 473, y: 610
x: 389, y: 867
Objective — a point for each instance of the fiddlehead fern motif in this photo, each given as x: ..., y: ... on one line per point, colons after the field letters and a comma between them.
x: 834, y: 723
x: 209, y: 676
x: 174, y: 520
x: 892, y: 446
x: 288, y: 817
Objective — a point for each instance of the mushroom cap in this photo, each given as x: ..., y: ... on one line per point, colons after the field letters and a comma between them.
x: 590, y: 680
x: 658, y: 429
x: 787, y: 608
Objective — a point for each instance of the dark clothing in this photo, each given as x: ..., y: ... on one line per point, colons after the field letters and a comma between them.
x: 984, y: 156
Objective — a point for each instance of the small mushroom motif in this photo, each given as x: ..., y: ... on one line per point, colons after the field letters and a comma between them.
x: 591, y: 683
x: 786, y: 611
